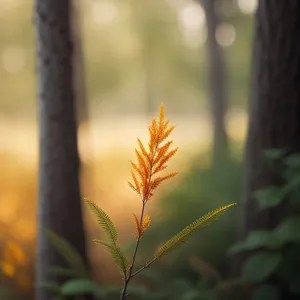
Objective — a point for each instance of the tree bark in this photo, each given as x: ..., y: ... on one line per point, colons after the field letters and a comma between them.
x: 59, y: 204
x: 216, y: 70
x: 274, y: 120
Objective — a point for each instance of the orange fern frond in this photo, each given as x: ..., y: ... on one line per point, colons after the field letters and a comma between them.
x: 146, y: 223
x: 137, y: 224
x: 157, y: 181
x: 154, y: 159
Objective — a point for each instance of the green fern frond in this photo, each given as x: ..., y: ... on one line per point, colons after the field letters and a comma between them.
x: 103, y: 220
x: 117, y: 255
x: 69, y: 253
x: 180, y: 237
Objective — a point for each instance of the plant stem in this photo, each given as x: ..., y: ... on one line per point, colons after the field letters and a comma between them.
x: 130, y: 275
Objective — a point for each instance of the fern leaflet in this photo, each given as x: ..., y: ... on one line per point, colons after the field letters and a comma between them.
x: 117, y: 255
x: 104, y: 221
x: 180, y: 237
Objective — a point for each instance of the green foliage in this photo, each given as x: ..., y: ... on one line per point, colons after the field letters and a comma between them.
x: 270, y: 197
x: 80, y: 286
x: 260, y: 266
x: 256, y: 239
x: 277, y: 250
x: 188, y: 230
x: 288, y: 230
x: 111, y: 232
x: 104, y: 221
x: 70, y: 254
x: 77, y: 268
x: 117, y: 255
x: 274, y: 154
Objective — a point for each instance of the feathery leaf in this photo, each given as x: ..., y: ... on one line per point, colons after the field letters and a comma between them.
x: 137, y: 224
x: 146, y: 222
x: 103, y: 220
x: 117, y: 255
x: 180, y: 237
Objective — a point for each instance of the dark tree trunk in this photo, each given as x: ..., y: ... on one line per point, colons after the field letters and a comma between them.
x: 216, y: 70
x: 79, y: 67
x: 59, y: 205
x: 274, y: 121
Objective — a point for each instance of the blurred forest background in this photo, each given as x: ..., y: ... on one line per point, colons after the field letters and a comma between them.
x: 135, y: 55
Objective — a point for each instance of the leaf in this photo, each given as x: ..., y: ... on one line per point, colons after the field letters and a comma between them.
x: 137, y: 224
x: 256, y: 239
x: 265, y: 292
x: 69, y: 253
x: 274, y: 154
x: 50, y: 286
x: 117, y: 255
x: 292, y: 161
x: 260, y: 266
x: 80, y: 286
x: 146, y: 223
x: 270, y: 197
x: 288, y: 230
x: 103, y: 220
x: 180, y: 237
x: 293, y: 182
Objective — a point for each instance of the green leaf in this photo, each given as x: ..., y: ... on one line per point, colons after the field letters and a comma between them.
x: 260, y: 266
x: 256, y: 239
x: 288, y: 230
x: 103, y: 220
x: 270, y: 197
x: 181, y: 237
x: 293, y: 183
x: 80, y: 286
x: 274, y: 154
x: 117, y: 255
x: 293, y: 161
x: 69, y: 253
x: 265, y: 292
x: 50, y: 286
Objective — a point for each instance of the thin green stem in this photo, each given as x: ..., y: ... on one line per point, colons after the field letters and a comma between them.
x: 129, y: 276
x: 144, y: 267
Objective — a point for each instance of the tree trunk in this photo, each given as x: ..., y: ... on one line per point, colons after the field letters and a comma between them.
x: 274, y: 121
x: 59, y: 205
x: 82, y: 112
x: 217, y: 82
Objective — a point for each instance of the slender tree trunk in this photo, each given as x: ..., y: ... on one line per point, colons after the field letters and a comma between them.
x: 59, y: 205
x: 274, y: 121
x: 217, y: 82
